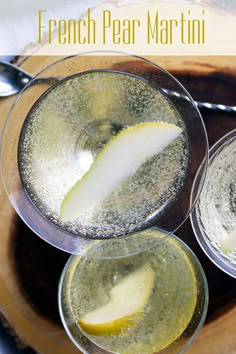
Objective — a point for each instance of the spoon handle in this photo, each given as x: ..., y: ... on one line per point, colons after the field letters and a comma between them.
x: 217, y: 107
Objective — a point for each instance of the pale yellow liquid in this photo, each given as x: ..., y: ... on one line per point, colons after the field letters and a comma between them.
x: 217, y: 205
x: 71, y: 123
x: 177, y: 296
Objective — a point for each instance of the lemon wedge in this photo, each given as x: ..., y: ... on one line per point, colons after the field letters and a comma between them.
x: 125, y: 307
x: 229, y: 243
x: 120, y: 158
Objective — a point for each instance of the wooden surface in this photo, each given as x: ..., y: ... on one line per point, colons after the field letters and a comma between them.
x: 30, y: 268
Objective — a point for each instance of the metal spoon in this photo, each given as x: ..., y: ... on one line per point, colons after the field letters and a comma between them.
x: 14, y: 79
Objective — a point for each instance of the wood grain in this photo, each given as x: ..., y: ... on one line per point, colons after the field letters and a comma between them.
x: 30, y: 268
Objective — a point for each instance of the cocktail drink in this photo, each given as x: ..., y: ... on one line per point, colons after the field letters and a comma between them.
x: 107, y: 149
x: 149, y: 302
x: 69, y: 126
x: 214, y: 219
x: 128, y: 114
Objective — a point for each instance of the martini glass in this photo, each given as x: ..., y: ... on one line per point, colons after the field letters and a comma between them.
x: 56, y: 128
x: 172, y: 316
x: 213, y: 218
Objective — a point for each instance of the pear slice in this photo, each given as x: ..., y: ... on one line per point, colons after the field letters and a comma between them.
x: 125, y: 307
x: 120, y: 158
x: 229, y: 242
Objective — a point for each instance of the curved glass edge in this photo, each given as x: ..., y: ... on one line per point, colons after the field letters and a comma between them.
x: 103, y: 351
x: 211, y: 252
x: 75, y: 249
x: 206, y: 302
x: 216, y: 257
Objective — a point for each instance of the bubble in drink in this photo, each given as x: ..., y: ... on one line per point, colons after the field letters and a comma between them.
x: 217, y: 204
x: 169, y: 303
x: 71, y: 123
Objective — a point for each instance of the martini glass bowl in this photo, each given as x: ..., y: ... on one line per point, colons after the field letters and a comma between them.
x: 214, y: 217
x: 175, y: 310
x: 63, y: 119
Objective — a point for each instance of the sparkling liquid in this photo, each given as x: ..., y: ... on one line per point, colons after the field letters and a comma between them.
x: 171, y: 314
x: 71, y: 123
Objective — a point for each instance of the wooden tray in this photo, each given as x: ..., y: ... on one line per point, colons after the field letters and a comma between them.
x: 30, y: 268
